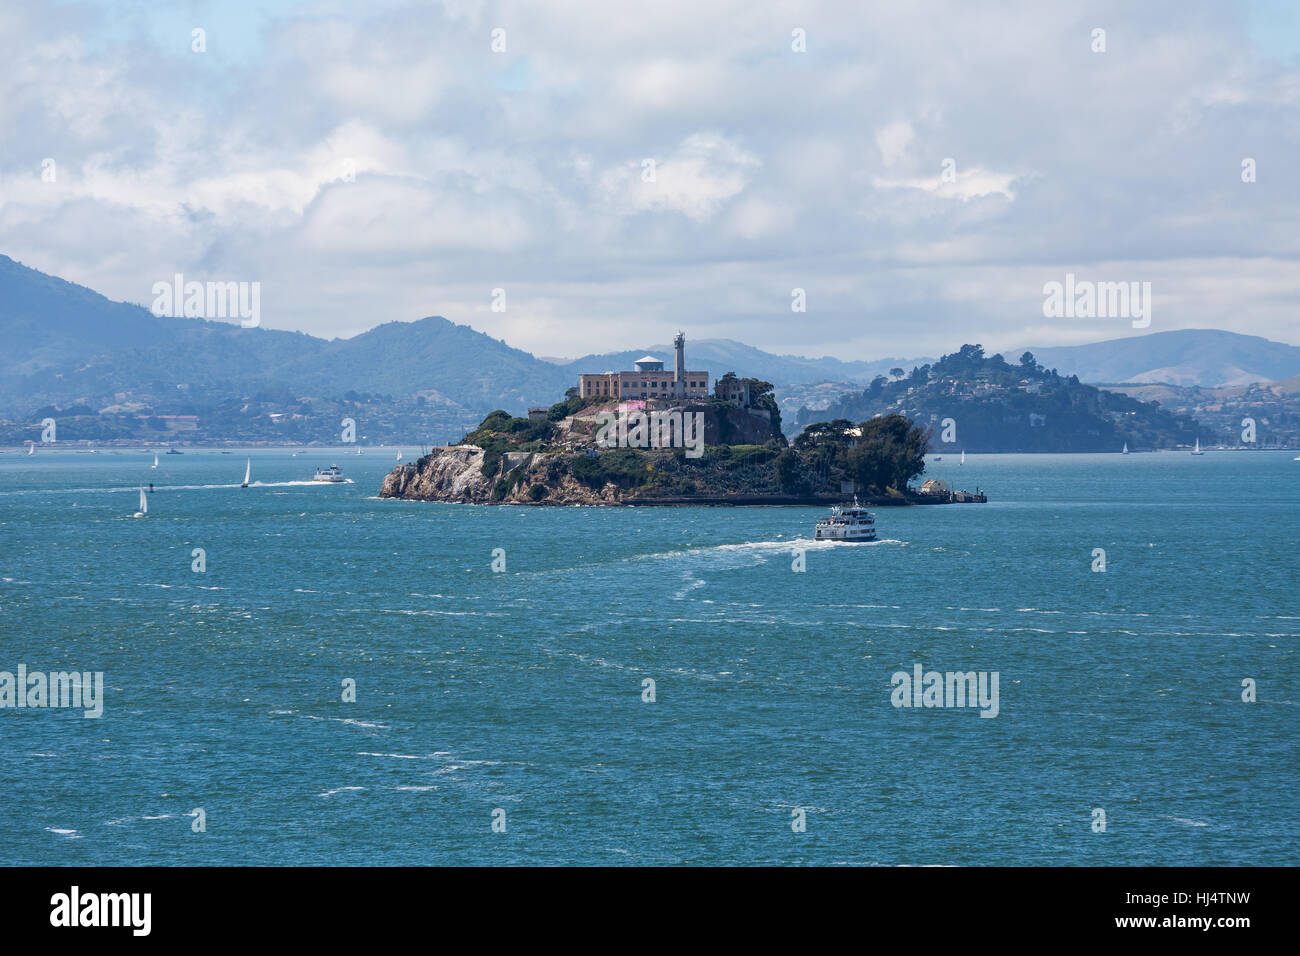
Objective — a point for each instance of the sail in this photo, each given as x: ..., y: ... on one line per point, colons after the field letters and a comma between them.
x: 144, y: 502
x: 248, y: 471
x: 155, y: 461
x: 963, y: 456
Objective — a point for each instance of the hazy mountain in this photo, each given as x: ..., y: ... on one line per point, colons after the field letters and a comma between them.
x: 1206, y: 357
x: 431, y: 357
x: 66, y: 345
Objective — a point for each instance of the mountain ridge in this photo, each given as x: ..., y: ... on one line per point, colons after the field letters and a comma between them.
x: 68, y: 345
x: 1209, y: 358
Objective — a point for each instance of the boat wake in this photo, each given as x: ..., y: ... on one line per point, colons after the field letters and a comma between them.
x: 764, y: 548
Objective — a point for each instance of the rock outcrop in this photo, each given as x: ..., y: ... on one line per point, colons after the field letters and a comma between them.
x: 455, y: 474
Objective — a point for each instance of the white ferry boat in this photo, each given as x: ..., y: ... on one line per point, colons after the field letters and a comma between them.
x: 847, y: 523
x: 331, y: 474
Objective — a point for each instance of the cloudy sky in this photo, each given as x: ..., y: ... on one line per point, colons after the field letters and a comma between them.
x: 370, y: 162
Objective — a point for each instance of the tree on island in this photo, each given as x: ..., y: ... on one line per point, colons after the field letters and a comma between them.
x: 889, y: 453
x: 791, y: 473
x: 879, y: 454
x: 763, y: 395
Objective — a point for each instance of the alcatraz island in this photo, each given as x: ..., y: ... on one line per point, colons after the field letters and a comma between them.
x: 654, y: 437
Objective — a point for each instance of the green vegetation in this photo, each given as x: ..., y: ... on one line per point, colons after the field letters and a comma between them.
x: 791, y: 474
x: 572, y: 404
x: 881, y: 454
x: 735, y: 456
x: 502, y: 432
x: 625, y: 467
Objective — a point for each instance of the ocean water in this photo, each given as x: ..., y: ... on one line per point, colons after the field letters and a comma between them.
x: 521, y: 691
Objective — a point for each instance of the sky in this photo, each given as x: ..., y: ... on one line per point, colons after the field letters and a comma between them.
x: 919, y: 170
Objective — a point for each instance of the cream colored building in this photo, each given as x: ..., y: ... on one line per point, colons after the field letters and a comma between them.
x: 650, y: 380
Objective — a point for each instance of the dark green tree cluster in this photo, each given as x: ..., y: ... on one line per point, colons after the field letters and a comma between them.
x: 880, y: 454
x: 890, y: 453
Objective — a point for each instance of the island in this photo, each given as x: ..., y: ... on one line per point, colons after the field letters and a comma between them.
x: 559, y: 457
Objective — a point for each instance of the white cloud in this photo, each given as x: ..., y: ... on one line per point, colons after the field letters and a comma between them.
x: 772, y: 169
x: 696, y: 178
x: 964, y: 184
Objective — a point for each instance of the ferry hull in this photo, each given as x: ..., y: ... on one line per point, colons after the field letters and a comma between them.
x: 819, y: 536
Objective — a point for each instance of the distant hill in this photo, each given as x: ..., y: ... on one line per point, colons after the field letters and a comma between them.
x: 1210, y: 358
x: 66, y: 344
x: 431, y: 357
x: 1274, y: 407
x: 985, y: 404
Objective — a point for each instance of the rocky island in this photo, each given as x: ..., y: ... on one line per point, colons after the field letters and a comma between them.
x: 653, y: 437
x: 560, y: 457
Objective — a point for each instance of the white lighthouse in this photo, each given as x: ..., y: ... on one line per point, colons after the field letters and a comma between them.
x: 679, y: 366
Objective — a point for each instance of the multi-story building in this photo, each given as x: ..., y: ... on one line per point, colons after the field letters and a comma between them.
x: 733, y: 391
x: 650, y: 380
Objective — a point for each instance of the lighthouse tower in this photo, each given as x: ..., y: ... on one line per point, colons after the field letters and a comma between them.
x: 679, y: 366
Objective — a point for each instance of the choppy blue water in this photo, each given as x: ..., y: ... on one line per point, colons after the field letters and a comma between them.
x: 523, y: 690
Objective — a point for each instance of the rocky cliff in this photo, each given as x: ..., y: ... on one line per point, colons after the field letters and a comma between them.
x: 455, y: 473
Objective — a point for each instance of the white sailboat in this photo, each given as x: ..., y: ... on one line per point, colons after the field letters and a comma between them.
x: 1197, y: 449
x: 358, y: 451
x: 1125, y: 451
x: 31, y: 449
x: 399, y: 454
x: 248, y: 473
x: 963, y: 457
x: 144, y: 504
x: 155, y: 462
